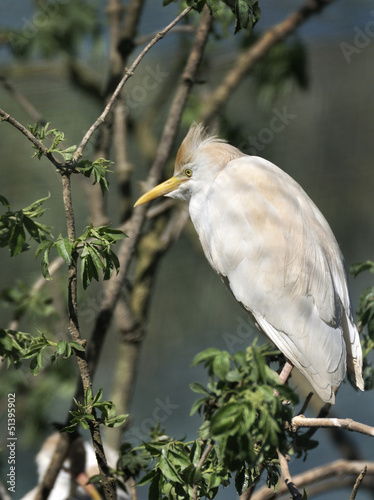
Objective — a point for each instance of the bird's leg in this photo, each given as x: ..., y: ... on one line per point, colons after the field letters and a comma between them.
x: 284, y: 375
x: 286, y: 372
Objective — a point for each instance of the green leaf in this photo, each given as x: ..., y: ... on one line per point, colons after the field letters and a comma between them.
x: 95, y: 256
x: 116, y: 421
x: 98, y: 397
x: 61, y: 347
x: 204, y: 356
x: 44, y: 245
x: 98, y: 169
x: 147, y: 478
x: 34, y: 210
x: 199, y: 388
x: 226, y: 419
x: 84, y: 424
x: 36, y: 231
x: 4, y: 201
x: 45, y: 266
x: 67, y: 153
x: 64, y: 248
x: 356, y: 269
x: 168, y: 470
x: 88, y: 396
x: 179, y: 457
x: 34, y: 367
x: 17, y: 240
x: 221, y: 364
x: 76, y: 346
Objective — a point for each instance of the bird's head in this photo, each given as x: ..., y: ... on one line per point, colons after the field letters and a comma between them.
x: 200, y: 158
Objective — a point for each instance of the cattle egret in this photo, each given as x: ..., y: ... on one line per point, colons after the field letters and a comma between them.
x: 262, y: 233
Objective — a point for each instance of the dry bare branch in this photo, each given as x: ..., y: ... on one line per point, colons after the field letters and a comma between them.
x: 341, y: 423
x: 338, y: 470
x: 358, y: 483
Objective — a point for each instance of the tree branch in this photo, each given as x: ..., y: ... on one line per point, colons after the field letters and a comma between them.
x: 247, y: 60
x: 358, y: 483
x: 350, y: 425
x: 338, y: 469
x: 203, y: 457
x: 62, y: 447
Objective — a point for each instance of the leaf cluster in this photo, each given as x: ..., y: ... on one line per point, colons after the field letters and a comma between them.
x: 25, y: 300
x: 177, y: 470
x: 56, y: 137
x: 15, y: 225
x: 246, y: 419
x: 17, y: 347
x: 247, y: 12
x: 86, y: 413
x: 96, y: 253
x: 244, y: 410
x: 98, y: 169
x: 94, y: 247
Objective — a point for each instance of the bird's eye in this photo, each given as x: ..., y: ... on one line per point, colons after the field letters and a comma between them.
x: 188, y: 172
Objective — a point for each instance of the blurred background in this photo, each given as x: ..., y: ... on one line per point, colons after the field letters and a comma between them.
x: 326, y: 144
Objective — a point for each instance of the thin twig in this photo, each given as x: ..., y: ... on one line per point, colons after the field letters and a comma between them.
x: 128, y: 73
x: 203, y: 457
x: 358, y: 483
x: 296, y: 495
x: 62, y: 447
x: 348, y: 424
x: 177, y: 29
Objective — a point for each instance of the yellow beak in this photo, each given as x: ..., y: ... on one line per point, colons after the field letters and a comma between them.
x: 164, y: 188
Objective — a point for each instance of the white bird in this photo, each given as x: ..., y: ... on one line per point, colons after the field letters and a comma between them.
x: 72, y: 482
x: 263, y: 234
